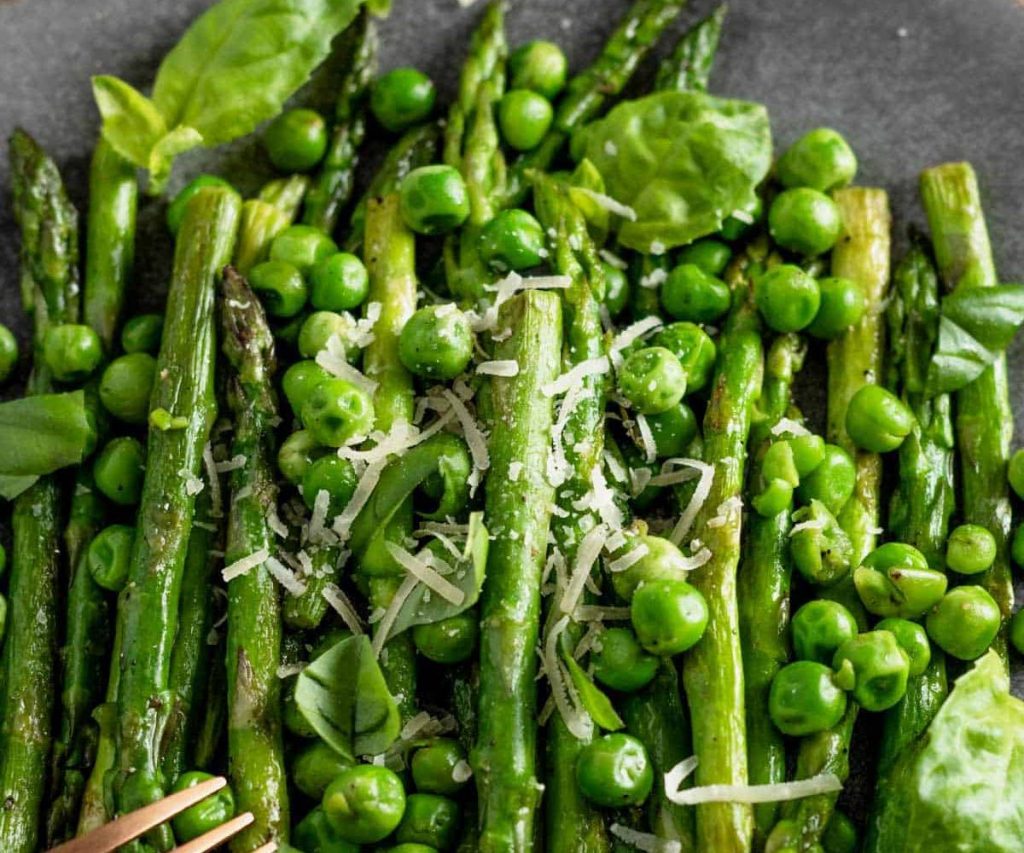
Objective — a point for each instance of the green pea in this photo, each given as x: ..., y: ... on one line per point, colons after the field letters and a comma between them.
x: 412, y: 848
x: 820, y: 549
x: 840, y: 834
x: 695, y: 350
x: 804, y: 698
x: 434, y: 199
x: 621, y: 663
x: 616, y: 289
x: 126, y: 386
x: 299, y: 380
x: 820, y: 159
x: 365, y: 803
x: 1015, y: 473
x: 804, y: 221
x: 1017, y: 548
x: 333, y: 475
x: 877, y: 420
x: 280, y: 287
x: 448, y: 641
x: 110, y: 555
x: 965, y: 622
x: 302, y: 246
x: 314, y: 834
x: 513, y: 240
x: 808, y: 453
x: 176, y: 209
x: 296, y: 454
x: 734, y: 227
x: 435, y: 766
x: 1016, y: 631
x: 819, y: 628
x: 779, y: 463
x: 913, y: 639
x: 615, y: 771
x: 436, y: 342
x: 832, y: 482
x: 970, y: 549
x: 429, y: 819
x: 661, y: 561
x: 339, y: 282
x: 668, y: 616
x: 653, y: 380
x: 8, y: 352
x: 776, y: 497
x: 842, y: 305
x: 119, y: 470
x: 877, y: 666
x: 316, y: 767
x: 787, y: 297
x: 205, y: 815
x: 294, y: 720
x: 143, y: 333
x: 673, y: 430
x: 691, y: 294
x: 337, y: 411
x: 319, y: 327
x: 712, y: 256
x: 296, y: 140
x: 402, y: 97
x: 895, y: 580
x: 540, y: 66
x: 72, y: 352
x: 524, y: 118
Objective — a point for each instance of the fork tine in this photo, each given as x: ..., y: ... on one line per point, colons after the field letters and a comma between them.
x: 215, y: 837
x: 112, y: 835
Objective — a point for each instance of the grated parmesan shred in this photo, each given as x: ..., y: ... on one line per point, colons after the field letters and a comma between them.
x: 342, y: 605
x: 586, y: 555
x: 285, y: 576
x: 575, y: 718
x: 647, y: 439
x: 823, y: 783
x: 244, y: 565
x: 506, y: 368
x: 609, y: 203
x: 426, y: 574
x: 332, y: 358
x: 474, y: 438
x: 700, y: 495
x: 630, y: 558
x: 216, y: 502
x: 574, y: 376
x: 644, y: 841
x: 388, y: 617
x: 790, y: 426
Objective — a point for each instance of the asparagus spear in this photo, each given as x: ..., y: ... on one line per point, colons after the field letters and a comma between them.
x: 587, y: 92
x: 854, y: 359
x: 390, y: 255
x: 255, y: 747
x: 688, y: 67
x: 713, y: 672
x: 572, y: 822
x: 517, y: 514
x: 149, y: 607
x: 49, y: 281
x: 984, y: 420
x: 265, y: 217
x: 763, y: 590
x: 332, y: 187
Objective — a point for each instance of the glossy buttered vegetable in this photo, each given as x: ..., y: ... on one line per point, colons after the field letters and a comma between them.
x: 805, y: 698
x: 615, y: 771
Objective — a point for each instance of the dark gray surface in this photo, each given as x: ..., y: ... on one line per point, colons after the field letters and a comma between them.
x: 910, y: 82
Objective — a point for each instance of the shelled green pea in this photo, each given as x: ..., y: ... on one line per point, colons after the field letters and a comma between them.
x: 109, y: 556
x: 820, y: 159
x: 205, y: 815
x: 615, y: 771
x: 652, y: 379
x: 8, y: 352
x: 877, y: 420
x: 365, y: 803
x: 402, y: 98
x: 895, y: 580
x: 296, y: 140
x: 965, y: 622
x: 524, y: 118
x: 540, y: 66
x: 805, y: 221
x: 970, y: 549
x: 126, y: 386
x: 436, y: 342
x: 72, y: 352
x: 875, y: 669
x: 787, y: 298
x: 119, y: 470
x: 804, y: 698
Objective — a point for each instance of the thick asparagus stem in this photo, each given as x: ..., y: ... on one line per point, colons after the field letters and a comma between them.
x: 265, y: 217
x: 255, y: 746
x: 713, y: 670
x: 854, y: 359
x: 332, y: 187
x: 984, y: 419
x: 150, y: 604
x: 390, y: 255
x: 518, y: 515
x: 588, y: 91
x: 688, y: 67
x: 49, y: 280
x: 763, y: 590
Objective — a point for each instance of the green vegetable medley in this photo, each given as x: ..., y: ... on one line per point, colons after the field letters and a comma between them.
x: 478, y: 512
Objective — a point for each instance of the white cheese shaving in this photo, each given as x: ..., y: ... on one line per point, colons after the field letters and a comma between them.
x: 461, y: 772
x: 635, y: 332
x: 575, y: 375
x: 613, y: 260
x: 364, y: 488
x: 726, y: 512
x: 232, y: 464
x: 422, y: 571
x: 317, y: 528
x: 823, y: 783
x: 216, y: 504
x: 278, y: 527
x: 615, y: 467
x: 474, y: 438
x: 387, y: 620
x: 515, y: 469
x: 501, y: 367
x: 790, y: 426
x: 630, y: 558
x: 504, y: 290
x: 558, y: 465
x: 285, y: 576
x: 700, y: 495
x: 654, y: 279
x: 639, y: 479
x: 586, y: 555
x: 286, y: 670
x: 644, y: 841
x: 810, y: 524
x: 647, y: 439
x: 342, y: 605
x: 575, y: 718
x: 245, y: 564
x: 332, y: 358
x: 193, y: 485
x: 609, y: 203
x: 601, y: 613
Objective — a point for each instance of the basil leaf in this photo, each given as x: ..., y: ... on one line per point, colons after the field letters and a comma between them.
x: 242, y: 59
x: 684, y: 161
x: 424, y: 607
x: 169, y: 146
x: 344, y: 698
x: 11, y: 486
x: 131, y: 122
x: 975, y: 327
x: 594, y: 700
x: 40, y: 434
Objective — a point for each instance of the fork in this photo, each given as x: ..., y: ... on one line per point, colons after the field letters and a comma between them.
x: 110, y: 836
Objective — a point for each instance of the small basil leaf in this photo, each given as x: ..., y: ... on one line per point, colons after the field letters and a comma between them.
x: 594, y: 700
x: 40, y: 434
x: 12, y: 486
x: 161, y: 158
x: 992, y: 315
x: 344, y: 698
x: 131, y: 122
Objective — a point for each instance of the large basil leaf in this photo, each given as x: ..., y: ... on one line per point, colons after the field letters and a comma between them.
x: 39, y: 435
x: 961, y: 787
x: 684, y: 161
x: 343, y: 696
x: 975, y: 327
x: 424, y: 607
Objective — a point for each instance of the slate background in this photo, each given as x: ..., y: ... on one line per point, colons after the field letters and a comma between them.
x: 909, y: 82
